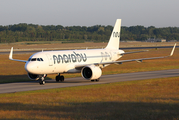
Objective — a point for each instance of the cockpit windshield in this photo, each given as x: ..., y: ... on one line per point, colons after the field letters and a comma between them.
x: 35, y: 59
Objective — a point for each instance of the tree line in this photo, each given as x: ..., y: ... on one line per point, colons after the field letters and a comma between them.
x: 97, y: 33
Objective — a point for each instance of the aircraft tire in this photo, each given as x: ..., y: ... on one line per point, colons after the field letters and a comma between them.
x: 57, y: 78
x: 97, y: 80
x: 41, y: 81
x: 62, y: 78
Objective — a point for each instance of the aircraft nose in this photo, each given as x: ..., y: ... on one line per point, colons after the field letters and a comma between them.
x: 29, y: 67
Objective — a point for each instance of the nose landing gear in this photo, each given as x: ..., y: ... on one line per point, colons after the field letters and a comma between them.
x: 41, y: 79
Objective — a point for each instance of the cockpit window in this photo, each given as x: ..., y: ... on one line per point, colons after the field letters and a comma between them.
x: 29, y: 59
x: 41, y: 59
x: 35, y: 59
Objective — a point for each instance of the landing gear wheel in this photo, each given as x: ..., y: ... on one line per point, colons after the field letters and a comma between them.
x: 41, y: 81
x: 59, y: 78
x: 62, y: 78
x: 97, y: 80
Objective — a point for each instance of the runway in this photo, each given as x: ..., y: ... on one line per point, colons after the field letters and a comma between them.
x: 79, y: 81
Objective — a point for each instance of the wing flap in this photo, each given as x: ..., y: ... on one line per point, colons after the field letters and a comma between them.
x: 134, y: 52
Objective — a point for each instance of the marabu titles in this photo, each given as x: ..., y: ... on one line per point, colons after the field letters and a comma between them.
x: 76, y: 57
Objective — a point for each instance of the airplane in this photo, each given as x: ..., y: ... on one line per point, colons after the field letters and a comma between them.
x: 88, y: 62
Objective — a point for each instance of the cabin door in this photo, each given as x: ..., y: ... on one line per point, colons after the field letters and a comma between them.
x: 50, y: 60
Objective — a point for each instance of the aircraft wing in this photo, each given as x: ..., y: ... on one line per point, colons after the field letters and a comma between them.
x: 133, y: 52
x: 10, y: 57
x: 122, y: 61
x: 137, y: 60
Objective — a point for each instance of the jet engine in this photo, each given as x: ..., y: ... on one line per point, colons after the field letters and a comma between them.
x: 33, y: 76
x: 36, y: 77
x: 91, y: 72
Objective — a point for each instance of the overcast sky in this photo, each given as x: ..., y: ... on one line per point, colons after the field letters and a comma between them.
x: 158, y: 13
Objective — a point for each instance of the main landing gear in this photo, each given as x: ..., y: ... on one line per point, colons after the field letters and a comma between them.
x: 59, y: 78
x: 95, y: 80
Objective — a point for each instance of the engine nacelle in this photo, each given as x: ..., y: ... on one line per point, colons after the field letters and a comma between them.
x: 36, y: 77
x: 91, y: 72
x: 33, y: 76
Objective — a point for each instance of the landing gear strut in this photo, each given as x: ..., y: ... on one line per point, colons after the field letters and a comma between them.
x: 59, y: 78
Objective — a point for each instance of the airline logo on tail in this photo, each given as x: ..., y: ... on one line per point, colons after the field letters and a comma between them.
x: 116, y: 34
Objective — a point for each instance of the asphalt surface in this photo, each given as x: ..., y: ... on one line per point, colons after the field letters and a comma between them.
x: 79, y: 81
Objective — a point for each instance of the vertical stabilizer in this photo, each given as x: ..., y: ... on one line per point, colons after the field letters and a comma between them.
x: 115, y: 36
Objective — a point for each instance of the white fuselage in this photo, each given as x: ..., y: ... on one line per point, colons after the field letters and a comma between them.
x: 49, y: 62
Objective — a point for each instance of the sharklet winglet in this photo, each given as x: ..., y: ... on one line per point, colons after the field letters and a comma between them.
x: 173, y: 50
x: 11, y: 53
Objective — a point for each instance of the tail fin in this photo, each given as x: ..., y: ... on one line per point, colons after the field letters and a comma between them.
x: 115, y: 36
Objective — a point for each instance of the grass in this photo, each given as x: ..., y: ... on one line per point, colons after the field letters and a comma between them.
x: 148, y: 99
